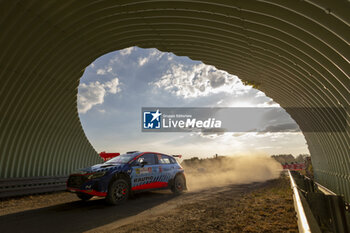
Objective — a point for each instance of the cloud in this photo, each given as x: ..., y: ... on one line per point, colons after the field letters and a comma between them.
x: 220, y: 102
x: 112, y: 86
x: 191, y: 81
x: 213, y: 132
x: 101, y: 71
x: 157, y: 55
x: 126, y: 51
x: 153, y: 55
x: 108, y: 69
x: 268, y: 103
x: 142, y: 61
x: 216, y: 79
x: 288, y: 127
x: 260, y: 94
x: 94, y: 93
x: 237, y: 134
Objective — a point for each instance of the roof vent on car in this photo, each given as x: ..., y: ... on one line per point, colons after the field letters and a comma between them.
x: 131, y: 152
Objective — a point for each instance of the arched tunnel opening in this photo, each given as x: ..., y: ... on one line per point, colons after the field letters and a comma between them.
x: 297, y: 53
x: 116, y: 86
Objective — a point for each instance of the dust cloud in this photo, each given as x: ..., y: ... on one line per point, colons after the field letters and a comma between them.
x: 221, y: 171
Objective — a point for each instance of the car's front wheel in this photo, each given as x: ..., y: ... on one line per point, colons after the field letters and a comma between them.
x: 179, y: 184
x: 84, y: 196
x: 118, y: 192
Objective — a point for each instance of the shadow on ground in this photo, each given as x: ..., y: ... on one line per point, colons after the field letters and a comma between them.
x: 79, y: 216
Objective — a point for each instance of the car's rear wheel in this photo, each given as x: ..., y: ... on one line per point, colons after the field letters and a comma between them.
x: 84, y: 196
x: 179, y: 184
x: 118, y: 192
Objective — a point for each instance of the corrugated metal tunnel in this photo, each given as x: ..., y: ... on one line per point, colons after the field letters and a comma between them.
x: 297, y: 52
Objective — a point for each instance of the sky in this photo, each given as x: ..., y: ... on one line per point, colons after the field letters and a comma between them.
x: 117, y: 85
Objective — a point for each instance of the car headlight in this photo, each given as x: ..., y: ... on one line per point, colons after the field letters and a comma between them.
x: 96, y: 175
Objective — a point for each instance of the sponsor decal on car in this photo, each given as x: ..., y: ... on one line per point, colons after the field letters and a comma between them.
x: 143, y: 179
x: 143, y: 170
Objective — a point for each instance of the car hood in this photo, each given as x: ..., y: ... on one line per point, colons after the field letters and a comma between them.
x: 103, y: 167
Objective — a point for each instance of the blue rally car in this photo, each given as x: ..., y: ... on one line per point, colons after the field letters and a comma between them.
x: 132, y: 172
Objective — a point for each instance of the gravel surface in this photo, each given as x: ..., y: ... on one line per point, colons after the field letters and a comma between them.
x: 257, y: 207
x: 263, y: 207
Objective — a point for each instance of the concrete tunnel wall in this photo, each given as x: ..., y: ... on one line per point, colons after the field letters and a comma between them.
x: 297, y: 52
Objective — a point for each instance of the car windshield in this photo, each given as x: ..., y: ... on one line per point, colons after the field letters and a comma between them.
x: 124, y: 158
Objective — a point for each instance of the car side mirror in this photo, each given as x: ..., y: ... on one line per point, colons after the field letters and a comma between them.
x: 143, y: 163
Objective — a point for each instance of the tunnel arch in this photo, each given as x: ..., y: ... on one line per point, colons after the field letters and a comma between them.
x: 297, y: 52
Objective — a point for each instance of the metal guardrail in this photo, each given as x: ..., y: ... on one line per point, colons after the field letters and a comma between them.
x: 303, y: 220
x: 318, y: 208
x: 324, y: 189
x: 33, y: 185
x: 303, y: 224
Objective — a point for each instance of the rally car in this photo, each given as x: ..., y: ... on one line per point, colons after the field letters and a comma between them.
x: 119, y: 177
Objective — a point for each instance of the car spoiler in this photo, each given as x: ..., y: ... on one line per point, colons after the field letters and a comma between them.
x: 177, y: 156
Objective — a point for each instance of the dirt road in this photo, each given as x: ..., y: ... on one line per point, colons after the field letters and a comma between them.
x: 257, y: 207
